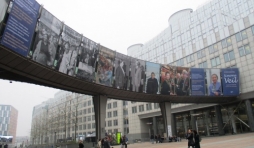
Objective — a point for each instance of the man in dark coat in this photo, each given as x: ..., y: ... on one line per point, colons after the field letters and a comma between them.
x: 165, y: 86
x: 152, y: 85
x: 106, y: 143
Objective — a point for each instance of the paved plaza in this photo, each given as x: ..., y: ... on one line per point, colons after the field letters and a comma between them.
x: 229, y: 141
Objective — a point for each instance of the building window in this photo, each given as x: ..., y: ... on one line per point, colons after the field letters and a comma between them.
x: 93, y: 125
x: 109, y: 123
x: 213, y: 48
x: 201, y: 54
x: 241, y: 36
x: 80, y: 127
x: 114, y: 104
x: 109, y: 114
x: 89, y: 110
x: 115, y: 130
x: 109, y: 105
x: 156, y: 105
x: 232, y: 66
x: 252, y: 29
x: 84, y: 119
x: 89, y: 126
x: 202, y: 65
x: 85, y: 104
x: 244, y: 50
x: 229, y: 56
x: 125, y: 103
x: 226, y: 42
x: 125, y: 121
x: 115, y: 113
x: 115, y: 122
x: 149, y: 106
x: 93, y: 117
x: 190, y: 58
x: 180, y: 62
x: 141, y: 108
x: 84, y: 111
x: 125, y: 111
x: 89, y: 103
x: 134, y: 109
x: 215, y: 61
x: 88, y: 118
x: 84, y: 126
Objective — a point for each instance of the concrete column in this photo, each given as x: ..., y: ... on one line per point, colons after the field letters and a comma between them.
x: 219, y: 120
x: 173, y: 124
x: 231, y: 111
x: 185, y: 124
x: 250, y: 115
x: 155, y: 126
x: 193, y: 120
x: 100, y: 103
x: 207, y: 123
x: 166, y: 114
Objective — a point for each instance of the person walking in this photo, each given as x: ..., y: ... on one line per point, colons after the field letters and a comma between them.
x: 80, y: 145
x: 196, y: 139
x: 190, y: 139
x: 152, y: 139
x: 99, y: 143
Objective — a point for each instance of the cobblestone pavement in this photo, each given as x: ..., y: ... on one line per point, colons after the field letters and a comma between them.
x: 229, y: 141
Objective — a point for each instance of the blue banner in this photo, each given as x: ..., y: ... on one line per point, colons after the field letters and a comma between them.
x: 197, y: 82
x: 230, y: 81
x: 20, y: 26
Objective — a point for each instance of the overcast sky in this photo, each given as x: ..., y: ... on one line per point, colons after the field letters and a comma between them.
x: 116, y: 24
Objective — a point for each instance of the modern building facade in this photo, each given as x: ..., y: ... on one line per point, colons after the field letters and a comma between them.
x: 8, y: 121
x: 218, y: 34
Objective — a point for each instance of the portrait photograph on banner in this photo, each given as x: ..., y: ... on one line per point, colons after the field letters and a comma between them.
x: 46, y: 40
x: 137, y: 78
x: 152, y: 78
x: 182, y: 81
x: 121, y: 73
x: 213, y: 82
x: 87, y: 58
x: 167, y: 81
x: 66, y: 56
x: 105, y: 66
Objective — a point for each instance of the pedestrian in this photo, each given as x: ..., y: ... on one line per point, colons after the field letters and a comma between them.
x: 126, y: 141
x: 102, y: 143
x: 99, y: 143
x: 196, y: 138
x: 106, y: 143
x: 122, y: 141
x: 80, y: 145
x: 155, y: 138
x: 190, y: 139
x: 152, y: 138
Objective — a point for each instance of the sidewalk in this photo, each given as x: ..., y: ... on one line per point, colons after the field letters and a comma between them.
x: 229, y: 141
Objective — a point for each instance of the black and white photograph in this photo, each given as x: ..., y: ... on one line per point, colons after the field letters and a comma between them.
x: 105, y: 66
x: 87, y: 58
x: 46, y: 40
x: 121, y: 73
x: 152, y: 77
x: 138, y: 75
x: 3, y: 7
x: 66, y: 57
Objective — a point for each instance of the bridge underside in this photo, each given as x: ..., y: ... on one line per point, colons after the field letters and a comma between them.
x: 18, y: 68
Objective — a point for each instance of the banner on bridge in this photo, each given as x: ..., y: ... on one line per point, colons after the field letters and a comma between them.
x: 230, y: 81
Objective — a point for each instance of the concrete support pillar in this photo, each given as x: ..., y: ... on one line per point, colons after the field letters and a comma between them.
x: 185, y: 124
x: 231, y: 111
x: 207, y: 123
x: 166, y: 114
x: 250, y: 115
x: 155, y: 126
x: 193, y: 120
x: 100, y: 103
x: 219, y: 120
x: 173, y: 124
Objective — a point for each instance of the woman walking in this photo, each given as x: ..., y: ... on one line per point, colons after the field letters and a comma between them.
x: 190, y: 139
x: 196, y: 138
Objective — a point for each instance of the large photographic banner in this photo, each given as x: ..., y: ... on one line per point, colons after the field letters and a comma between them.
x: 198, y: 82
x: 46, y: 39
x: 88, y: 53
x: 122, y: 69
x: 182, y: 81
x: 137, y: 79
x: 152, y: 78
x: 213, y: 82
x: 166, y: 81
x: 66, y: 56
x: 20, y: 26
x: 3, y: 7
x: 105, y: 66
x: 230, y: 81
